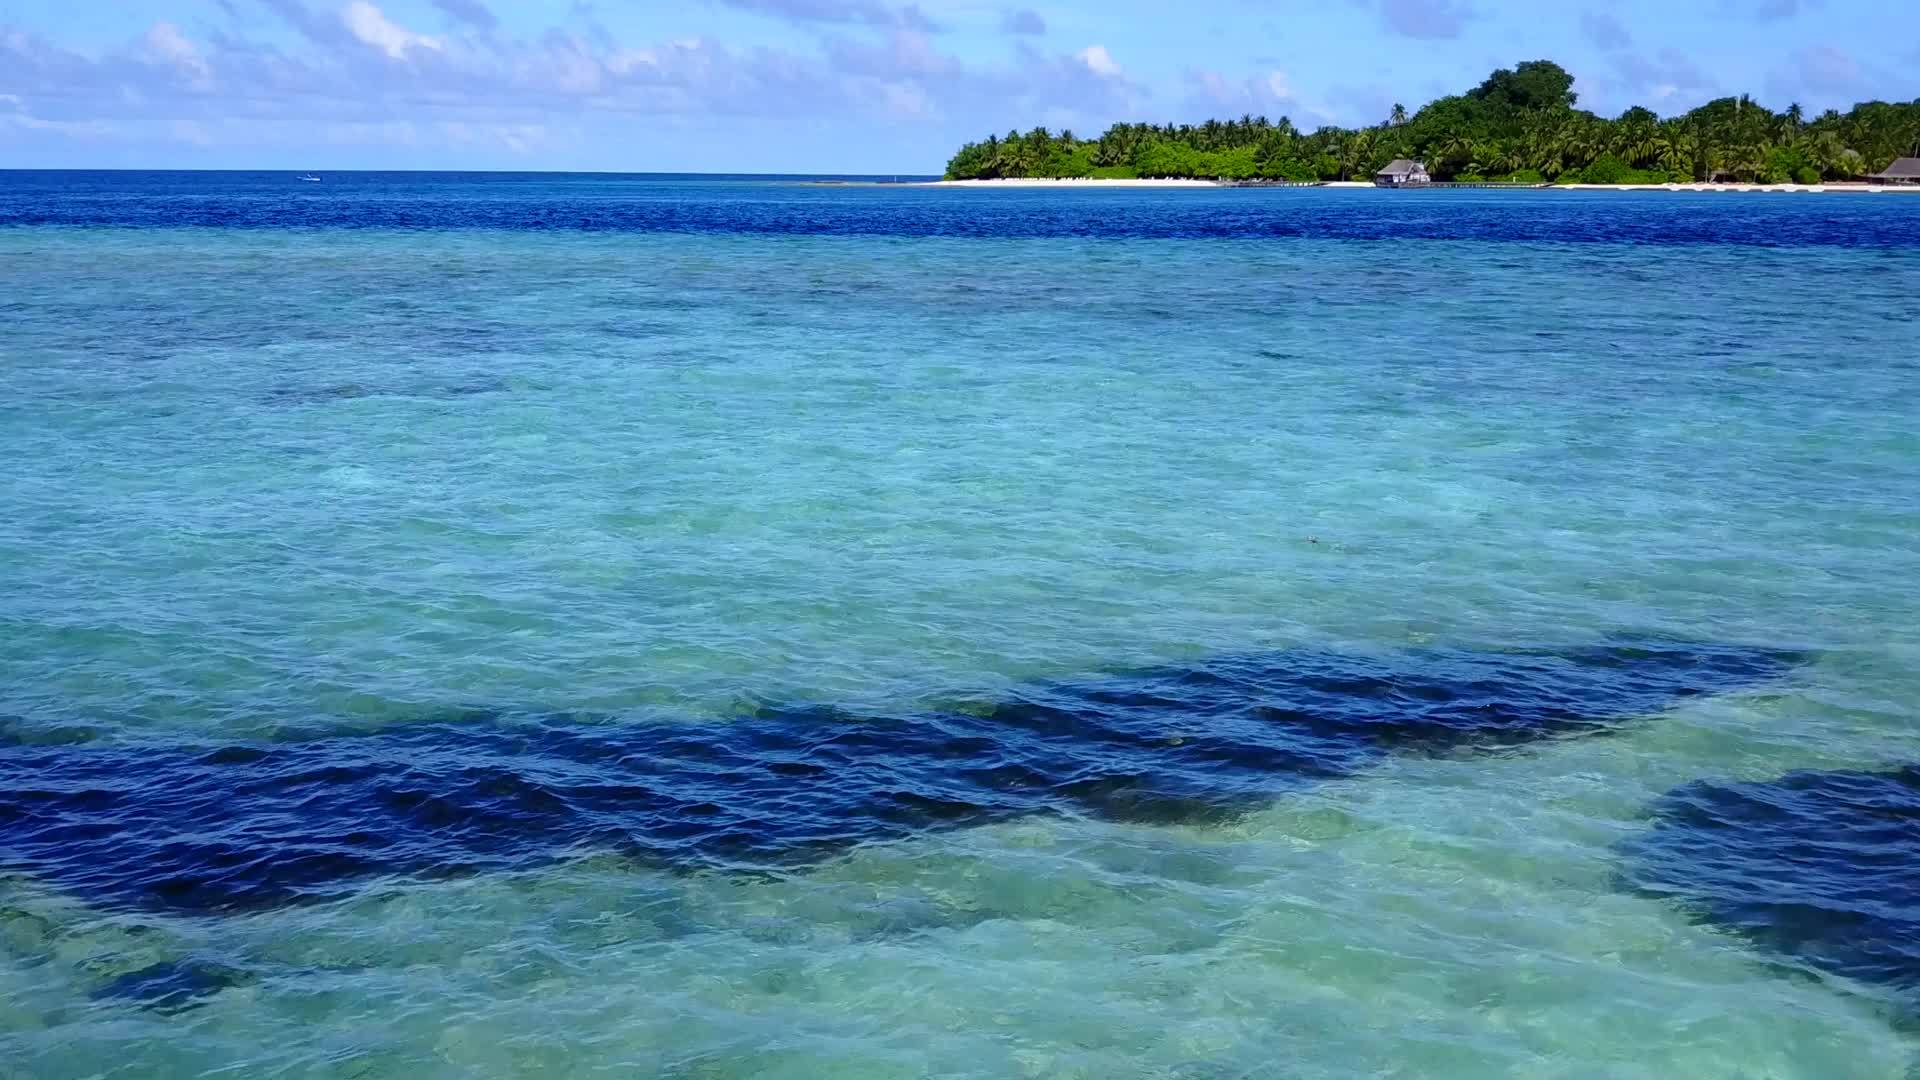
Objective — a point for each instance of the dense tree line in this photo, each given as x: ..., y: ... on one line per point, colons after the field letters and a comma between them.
x: 1521, y: 124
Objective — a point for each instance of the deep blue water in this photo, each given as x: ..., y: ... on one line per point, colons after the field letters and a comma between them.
x: 803, y: 206
x: 483, y: 624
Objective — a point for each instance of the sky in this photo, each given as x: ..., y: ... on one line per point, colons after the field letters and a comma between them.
x: 844, y: 86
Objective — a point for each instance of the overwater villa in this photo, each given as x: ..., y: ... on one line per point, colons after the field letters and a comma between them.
x: 1400, y: 173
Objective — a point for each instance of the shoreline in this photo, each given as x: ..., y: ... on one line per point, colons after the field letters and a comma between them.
x: 1801, y: 189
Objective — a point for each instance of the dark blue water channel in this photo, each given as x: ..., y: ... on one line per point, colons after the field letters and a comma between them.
x: 208, y: 828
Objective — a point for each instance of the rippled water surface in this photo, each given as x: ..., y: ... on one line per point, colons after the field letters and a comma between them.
x: 474, y: 626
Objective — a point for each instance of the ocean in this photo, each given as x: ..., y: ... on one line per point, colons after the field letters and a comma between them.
x: 484, y: 625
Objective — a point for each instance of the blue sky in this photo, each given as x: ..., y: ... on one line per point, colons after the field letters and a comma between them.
x: 842, y: 85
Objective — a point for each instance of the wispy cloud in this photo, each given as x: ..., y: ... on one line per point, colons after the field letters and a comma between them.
x: 312, y: 25
x: 1825, y: 72
x: 1603, y: 31
x: 830, y: 83
x: 1427, y: 19
x: 1269, y: 93
x: 372, y: 27
x: 165, y: 44
x: 864, y: 12
x: 1826, y: 69
x: 471, y: 12
x: 1099, y: 61
x: 367, y: 77
x: 1666, y: 81
x: 1022, y: 21
x: 1772, y: 10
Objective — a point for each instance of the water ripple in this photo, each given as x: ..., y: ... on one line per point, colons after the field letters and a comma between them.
x: 250, y: 825
x: 1821, y: 866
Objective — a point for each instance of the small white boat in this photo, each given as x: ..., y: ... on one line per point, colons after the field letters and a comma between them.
x: 309, y: 178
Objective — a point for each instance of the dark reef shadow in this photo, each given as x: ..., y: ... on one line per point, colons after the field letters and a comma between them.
x: 195, y: 828
x: 1818, y: 868
x: 170, y: 986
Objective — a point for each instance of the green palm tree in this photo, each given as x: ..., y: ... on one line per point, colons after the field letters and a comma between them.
x: 1456, y: 147
x: 1488, y: 156
x: 1676, y: 150
x: 1553, y: 146
x: 1356, y: 154
x: 1745, y: 160
x: 1636, y: 142
x: 1832, y: 156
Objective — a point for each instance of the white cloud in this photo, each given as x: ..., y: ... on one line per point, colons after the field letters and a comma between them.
x: 1099, y: 61
x: 373, y: 28
x: 16, y: 116
x: 905, y: 55
x: 165, y: 42
x: 1211, y: 95
x: 568, y: 64
x: 357, y: 75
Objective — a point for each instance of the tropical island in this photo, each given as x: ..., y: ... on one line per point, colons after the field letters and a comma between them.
x: 1519, y: 126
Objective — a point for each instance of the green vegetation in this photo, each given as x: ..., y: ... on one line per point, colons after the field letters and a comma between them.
x: 1520, y: 125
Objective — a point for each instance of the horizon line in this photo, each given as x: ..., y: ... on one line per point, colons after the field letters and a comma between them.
x: 513, y: 172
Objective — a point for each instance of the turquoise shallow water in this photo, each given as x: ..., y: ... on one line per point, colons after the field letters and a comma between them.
x: 264, y: 481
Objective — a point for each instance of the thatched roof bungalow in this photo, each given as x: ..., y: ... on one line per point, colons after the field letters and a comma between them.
x: 1400, y: 172
x: 1904, y: 171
